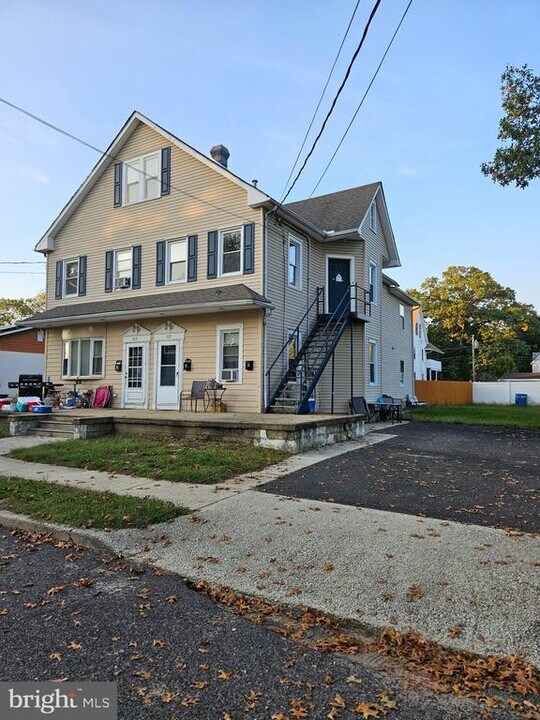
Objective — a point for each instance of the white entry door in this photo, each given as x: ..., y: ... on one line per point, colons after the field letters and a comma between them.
x: 135, y: 374
x: 167, y: 371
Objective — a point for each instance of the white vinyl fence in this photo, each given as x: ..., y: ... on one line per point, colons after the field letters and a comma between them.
x: 504, y: 392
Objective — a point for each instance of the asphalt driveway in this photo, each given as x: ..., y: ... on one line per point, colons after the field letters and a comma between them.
x: 471, y: 474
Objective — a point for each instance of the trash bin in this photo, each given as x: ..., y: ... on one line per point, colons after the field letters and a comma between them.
x: 311, y: 405
x: 521, y: 398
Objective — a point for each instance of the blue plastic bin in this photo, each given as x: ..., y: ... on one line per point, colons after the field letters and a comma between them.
x: 521, y: 398
x: 311, y: 405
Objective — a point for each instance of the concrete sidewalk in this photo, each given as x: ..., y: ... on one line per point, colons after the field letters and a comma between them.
x: 374, y: 567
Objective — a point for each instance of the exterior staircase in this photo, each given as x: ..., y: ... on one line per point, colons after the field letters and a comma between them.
x: 297, y: 383
x: 50, y: 426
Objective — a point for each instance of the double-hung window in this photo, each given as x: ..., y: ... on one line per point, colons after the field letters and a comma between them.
x: 295, y: 263
x: 123, y: 267
x: 229, y: 343
x: 372, y: 282
x: 402, y: 315
x: 231, y: 246
x: 83, y: 358
x: 177, y: 261
x: 142, y: 178
x: 373, y: 362
x: 71, y: 277
x: 402, y: 372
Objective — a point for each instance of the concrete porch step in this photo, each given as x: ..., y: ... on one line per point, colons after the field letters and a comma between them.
x: 50, y: 432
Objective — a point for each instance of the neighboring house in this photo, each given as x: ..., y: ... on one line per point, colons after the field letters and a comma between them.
x: 426, y: 364
x: 22, y: 351
x: 535, y: 362
x: 165, y: 267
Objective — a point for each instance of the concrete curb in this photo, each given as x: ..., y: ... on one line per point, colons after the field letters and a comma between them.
x: 79, y: 536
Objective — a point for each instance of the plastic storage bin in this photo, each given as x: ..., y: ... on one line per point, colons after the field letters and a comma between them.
x: 521, y: 398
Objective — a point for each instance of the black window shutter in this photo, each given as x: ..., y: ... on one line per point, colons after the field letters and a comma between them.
x: 109, y: 262
x: 59, y: 279
x: 166, y: 171
x: 117, y: 184
x: 82, y: 275
x: 249, y: 249
x: 212, y: 254
x: 192, y: 258
x: 160, y: 262
x: 136, y: 267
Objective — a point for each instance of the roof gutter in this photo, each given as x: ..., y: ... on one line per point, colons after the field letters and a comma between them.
x: 111, y: 316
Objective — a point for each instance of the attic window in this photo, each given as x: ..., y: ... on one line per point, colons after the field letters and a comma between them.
x: 142, y: 179
x: 373, y: 217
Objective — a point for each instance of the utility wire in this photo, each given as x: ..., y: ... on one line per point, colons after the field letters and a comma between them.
x: 362, y: 100
x: 117, y: 159
x: 334, y: 101
x: 22, y: 262
x: 321, y: 97
x: 21, y: 272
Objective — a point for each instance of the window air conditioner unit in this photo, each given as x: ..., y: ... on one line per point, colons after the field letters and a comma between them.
x: 122, y: 282
x: 229, y: 375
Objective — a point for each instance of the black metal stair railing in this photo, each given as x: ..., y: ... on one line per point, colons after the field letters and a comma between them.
x: 306, y: 368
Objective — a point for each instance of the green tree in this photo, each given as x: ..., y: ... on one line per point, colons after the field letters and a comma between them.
x: 467, y: 302
x: 518, y: 160
x: 14, y: 309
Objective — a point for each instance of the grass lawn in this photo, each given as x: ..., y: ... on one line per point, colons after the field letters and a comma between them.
x: 82, y: 508
x: 4, y: 427
x: 160, y: 458
x: 507, y: 415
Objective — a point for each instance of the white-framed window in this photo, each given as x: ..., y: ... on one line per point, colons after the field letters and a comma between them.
x: 295, y: 263
x: 142, y: 178
x: 123, y: 267
x: 416, y: 328
x: 71, y: 277
x: 83, y: 357
x: 372, y: 283
x: 402, y: 315
x: 423, y: 356
x: 373, y: 362
x: 373, y: 217
x: 177, y: 261
x: 231, y: 251
x: 229, y: 353
x: 402, y: 372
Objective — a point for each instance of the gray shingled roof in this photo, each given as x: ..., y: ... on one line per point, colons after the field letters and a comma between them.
x: 182, y: 299
x: 337, y: 211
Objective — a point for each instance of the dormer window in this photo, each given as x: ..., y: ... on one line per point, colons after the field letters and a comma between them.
x: 142, y: 178
x: 373, y: 217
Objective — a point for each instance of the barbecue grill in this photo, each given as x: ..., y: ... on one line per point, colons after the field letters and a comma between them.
x: 31, y: 386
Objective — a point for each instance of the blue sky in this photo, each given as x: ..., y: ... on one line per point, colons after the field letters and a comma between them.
x: 248, y: 75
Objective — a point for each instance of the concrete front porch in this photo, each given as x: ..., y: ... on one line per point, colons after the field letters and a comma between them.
x: 295, y: 433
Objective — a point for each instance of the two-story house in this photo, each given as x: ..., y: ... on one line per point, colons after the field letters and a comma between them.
x: 165, y: 267
x: 426, y: 364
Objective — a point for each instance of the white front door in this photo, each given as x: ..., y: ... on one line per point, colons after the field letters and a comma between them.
x: 167, y: 369
x: 135, y: 374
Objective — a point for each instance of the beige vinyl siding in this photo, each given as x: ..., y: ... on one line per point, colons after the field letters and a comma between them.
x: 397, y: 345
x: 342, y: 373
x: 200, y: 345
x: 376, y: 250
x: 200, y: 200
x: 289, y: 303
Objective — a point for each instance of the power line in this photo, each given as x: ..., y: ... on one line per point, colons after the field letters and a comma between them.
x: 322, y: 96
x: 22, y: 262
x: 21, y: 272
x: 363, y: 98
x: 334, y: 101
x: 104, y: 153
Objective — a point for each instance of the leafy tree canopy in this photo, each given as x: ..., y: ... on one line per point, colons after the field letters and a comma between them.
x: 12, y: 310
x: 467, y: 301
x: 518, y: 159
